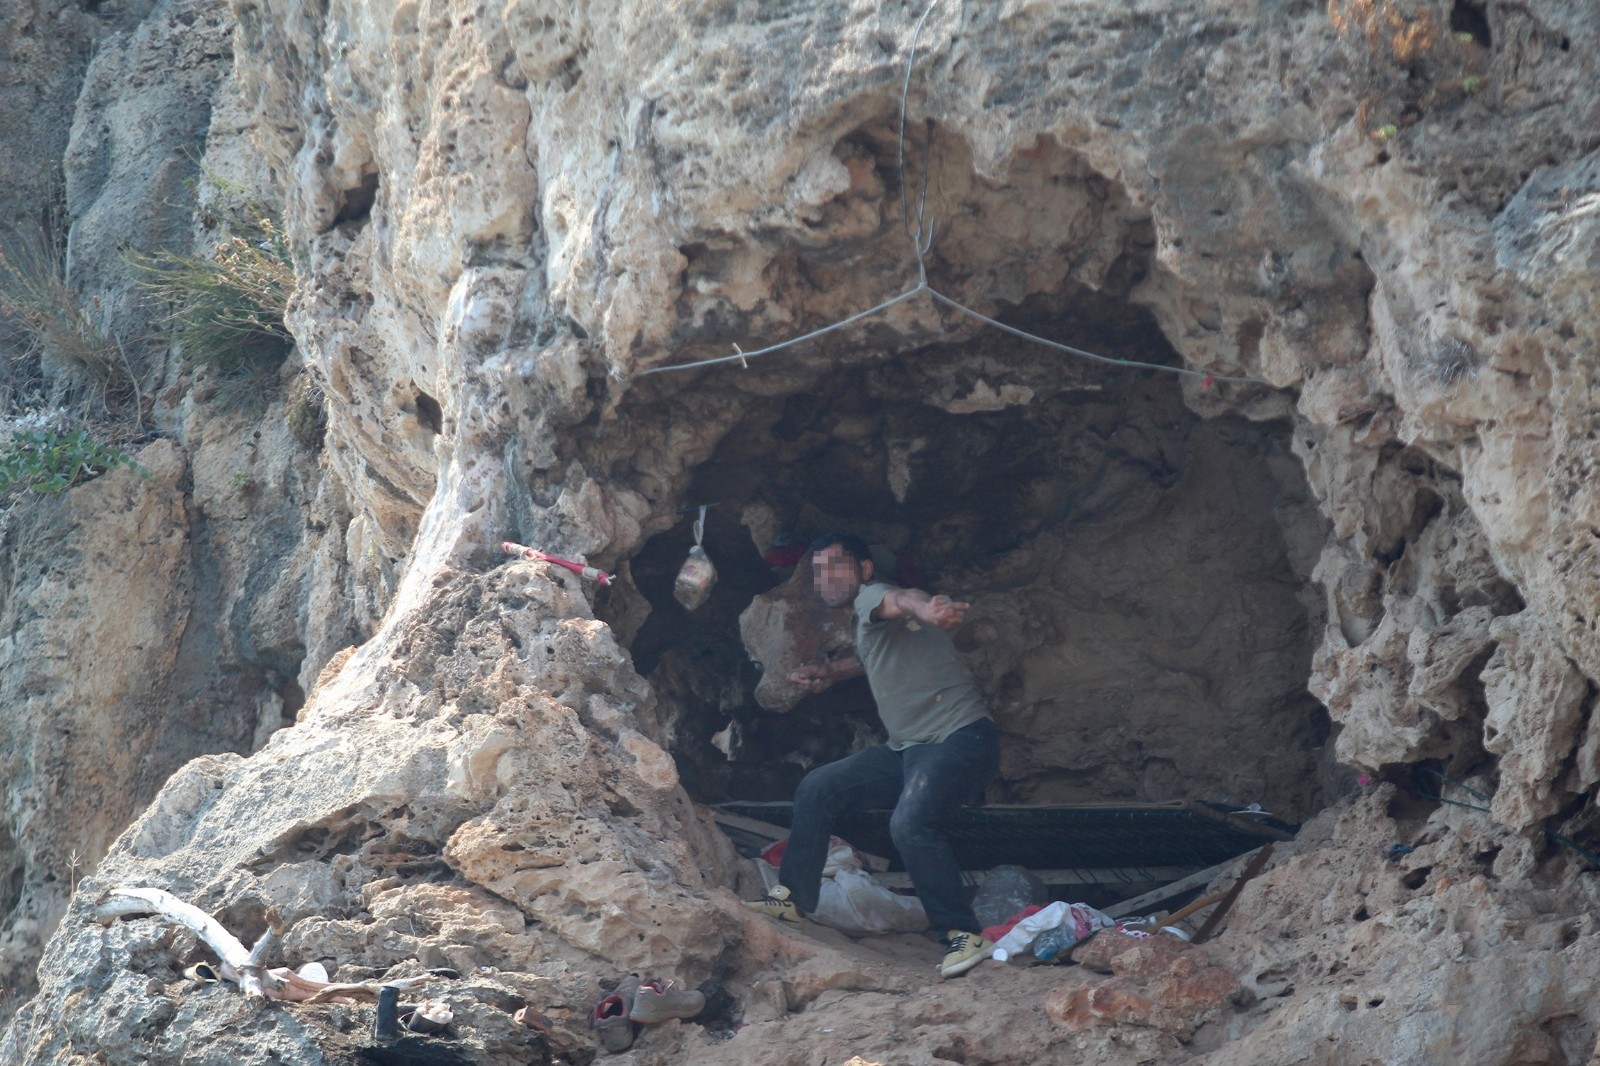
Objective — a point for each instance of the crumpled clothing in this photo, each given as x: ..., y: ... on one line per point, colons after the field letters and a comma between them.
x: 995, y: 932
x: 1079, y: 919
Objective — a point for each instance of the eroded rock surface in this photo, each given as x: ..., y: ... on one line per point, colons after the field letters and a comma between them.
x: 508, y: 214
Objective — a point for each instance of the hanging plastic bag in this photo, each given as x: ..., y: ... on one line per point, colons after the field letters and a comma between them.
x: 698, y: 573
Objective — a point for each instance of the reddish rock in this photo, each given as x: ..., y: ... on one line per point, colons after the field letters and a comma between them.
x: 1160, y: 982
x: 1144, y: 957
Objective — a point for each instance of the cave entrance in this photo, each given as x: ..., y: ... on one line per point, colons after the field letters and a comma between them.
x: 1140, y: 576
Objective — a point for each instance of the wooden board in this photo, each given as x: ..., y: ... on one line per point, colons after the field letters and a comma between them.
x: 1141, y: 904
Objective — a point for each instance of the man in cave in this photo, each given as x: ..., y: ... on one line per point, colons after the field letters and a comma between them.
x: 942, y: 747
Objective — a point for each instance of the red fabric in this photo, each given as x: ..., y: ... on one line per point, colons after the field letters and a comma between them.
x: 779, y: 557
x: 773, y: 855
x: 995, y: 932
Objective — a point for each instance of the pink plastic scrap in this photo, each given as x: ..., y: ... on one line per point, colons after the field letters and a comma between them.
x: 583, y: 570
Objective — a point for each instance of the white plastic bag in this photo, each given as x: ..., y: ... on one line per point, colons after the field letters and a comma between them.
x: 853, y: 903
x: 698, y: 573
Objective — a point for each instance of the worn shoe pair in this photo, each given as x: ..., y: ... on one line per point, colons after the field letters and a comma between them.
x: 635, y: 1002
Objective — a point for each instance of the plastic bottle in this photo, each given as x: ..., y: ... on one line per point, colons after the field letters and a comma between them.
x: 1052, y: 942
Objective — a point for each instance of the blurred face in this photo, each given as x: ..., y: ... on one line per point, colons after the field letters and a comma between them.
x: 837, y: 576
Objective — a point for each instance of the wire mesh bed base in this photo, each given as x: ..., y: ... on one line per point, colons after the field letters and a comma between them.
x: 1100, y: 843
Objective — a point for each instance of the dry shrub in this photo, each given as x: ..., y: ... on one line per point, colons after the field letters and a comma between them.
x: 42, y: 308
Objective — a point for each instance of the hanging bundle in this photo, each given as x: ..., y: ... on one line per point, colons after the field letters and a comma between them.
x: 697, y: 574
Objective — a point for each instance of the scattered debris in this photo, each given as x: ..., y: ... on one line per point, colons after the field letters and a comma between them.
x: 238, y: 966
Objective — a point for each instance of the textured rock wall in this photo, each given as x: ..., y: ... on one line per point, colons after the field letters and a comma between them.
x: 509, y: 212
x: 147, y: 620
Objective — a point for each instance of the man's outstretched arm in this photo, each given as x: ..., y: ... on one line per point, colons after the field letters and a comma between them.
x: 939, y: 611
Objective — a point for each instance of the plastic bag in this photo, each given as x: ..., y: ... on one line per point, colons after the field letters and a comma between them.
x: 852, y: 902
x: 1076, y: 919
x: 695, y: 578
x: 1005, y: 891
x: 697, y: 574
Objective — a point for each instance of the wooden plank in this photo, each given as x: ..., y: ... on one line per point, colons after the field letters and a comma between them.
x: 1124, y: 875
x: 1246, y: 823
x: 1233, y: 894
x: 774, y: 833
x: 1198, y: 879
x: 750, y: 825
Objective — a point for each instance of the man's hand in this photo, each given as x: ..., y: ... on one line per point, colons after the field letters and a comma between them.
x: 814, y: 678
x: 943, y: 612
x: 817, y: 678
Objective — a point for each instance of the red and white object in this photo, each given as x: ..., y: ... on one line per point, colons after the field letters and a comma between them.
x: 581, y: 569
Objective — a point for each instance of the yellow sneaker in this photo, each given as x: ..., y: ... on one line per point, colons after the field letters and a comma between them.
x: 965, y: 950
x: 777, y: 906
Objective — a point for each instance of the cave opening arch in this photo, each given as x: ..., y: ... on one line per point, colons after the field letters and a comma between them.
x: 1143, y: 618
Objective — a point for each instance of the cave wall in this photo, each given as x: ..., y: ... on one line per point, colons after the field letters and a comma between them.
x: 509, y: 212
x: 148, y: 617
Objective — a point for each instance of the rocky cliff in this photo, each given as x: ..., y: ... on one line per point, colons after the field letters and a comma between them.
x: 284, y: 672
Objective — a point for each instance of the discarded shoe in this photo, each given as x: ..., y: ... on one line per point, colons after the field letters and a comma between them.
x: 609, y: 1019
x: 964, y: 951
x: 660, y: 1001
x: 777, y: 906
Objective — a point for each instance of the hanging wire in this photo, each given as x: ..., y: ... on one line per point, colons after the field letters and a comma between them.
x: 1565, y: 841
x: 921, y: 238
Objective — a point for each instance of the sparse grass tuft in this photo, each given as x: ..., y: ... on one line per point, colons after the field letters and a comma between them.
x: 46, y: 312
x: 227, y: 309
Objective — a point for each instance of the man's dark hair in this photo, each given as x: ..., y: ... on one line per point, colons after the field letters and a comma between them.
x: 853, y: 545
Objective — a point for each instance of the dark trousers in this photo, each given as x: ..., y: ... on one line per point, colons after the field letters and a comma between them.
x: 925, y: 784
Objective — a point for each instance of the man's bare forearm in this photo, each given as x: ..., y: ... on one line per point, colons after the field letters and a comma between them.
x: 844, y: 668
x: 939, y: 611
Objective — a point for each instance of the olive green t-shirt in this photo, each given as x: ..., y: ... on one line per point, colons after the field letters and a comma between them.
x: 924, y: 691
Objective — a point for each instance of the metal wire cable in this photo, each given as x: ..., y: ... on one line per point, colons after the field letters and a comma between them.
x: 1565, y: 841
x: 921, y: 239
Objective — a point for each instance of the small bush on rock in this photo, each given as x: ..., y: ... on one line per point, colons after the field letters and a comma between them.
x: 54, y: 460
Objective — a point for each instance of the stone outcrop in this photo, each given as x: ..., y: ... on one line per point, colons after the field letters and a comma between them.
x: 505, y: 215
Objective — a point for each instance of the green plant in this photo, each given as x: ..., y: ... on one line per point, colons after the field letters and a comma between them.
x: 53, y: 460
x: 227, y: 309
x: 35, y: 297
x: 1471, y: 84
x: 1384, y: 133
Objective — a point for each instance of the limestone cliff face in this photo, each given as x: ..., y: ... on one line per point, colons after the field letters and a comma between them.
x: 508, y: 214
